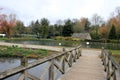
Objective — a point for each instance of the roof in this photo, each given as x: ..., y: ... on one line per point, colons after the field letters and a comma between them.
x: 82, y: 35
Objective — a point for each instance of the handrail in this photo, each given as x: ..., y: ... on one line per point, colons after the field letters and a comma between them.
x: 111, y: 66
x: 66, y: 57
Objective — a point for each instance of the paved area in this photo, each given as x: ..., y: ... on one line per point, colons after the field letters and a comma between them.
x: 54, y: 48
x: 88, y: 67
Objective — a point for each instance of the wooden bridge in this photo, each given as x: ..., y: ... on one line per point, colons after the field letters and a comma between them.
x: 75, y: 64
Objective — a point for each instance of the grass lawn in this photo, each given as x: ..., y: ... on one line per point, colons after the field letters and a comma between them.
x: 116, y: 54
x: 14, y: 51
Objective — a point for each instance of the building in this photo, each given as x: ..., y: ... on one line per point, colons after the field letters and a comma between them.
x: 82, y: 36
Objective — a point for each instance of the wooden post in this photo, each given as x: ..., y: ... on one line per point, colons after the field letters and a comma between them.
x: 117, y: 72
x: 63, y: 64
x: 51, y: 70
x: 64, y: 50
x: 24, y: 62
x: 79, y: 51
x: 102, y: 54
x: 71, y: 58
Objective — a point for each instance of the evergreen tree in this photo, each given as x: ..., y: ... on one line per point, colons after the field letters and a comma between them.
x: 67, y: 29
x: 36, y: 27
x: 44, y: 27
x: 112, y: 33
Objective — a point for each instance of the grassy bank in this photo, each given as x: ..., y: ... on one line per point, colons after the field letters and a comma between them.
x: 22, y: 39
x: 116, y: 54
x: 15, y: 51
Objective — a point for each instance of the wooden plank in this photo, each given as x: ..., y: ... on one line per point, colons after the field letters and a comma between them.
x: 33, y: 77
x: 87, y: 67
x: 21, y: 77
x: 68, y: 62
x: 58, y: 67
x: 51, y: 70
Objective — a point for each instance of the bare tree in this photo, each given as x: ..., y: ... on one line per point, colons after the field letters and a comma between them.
x: 97, y: 20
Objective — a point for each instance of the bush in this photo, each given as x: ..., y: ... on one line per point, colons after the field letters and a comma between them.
x: 67, y: 38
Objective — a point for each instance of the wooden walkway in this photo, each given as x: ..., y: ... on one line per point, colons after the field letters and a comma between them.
x: 88, y: 67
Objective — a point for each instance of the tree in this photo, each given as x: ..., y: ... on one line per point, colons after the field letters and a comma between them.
x: 81, y: 25
x: 97, y: 20
x: 36, y: 27
x: 67, y: 29
x: 103, y: 31
x: 87, y: 25
x: 94, y: 34
x: 115, y: 20
x: 19, y: 28
x: 112, y: 33
x: 77, y: 27
x: 44, y: 27
x: 7, y: 24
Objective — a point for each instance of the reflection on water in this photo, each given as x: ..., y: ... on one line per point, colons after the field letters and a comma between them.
x: 72, y: 44
x: 8, y: 63
x: 113, y: 46
x: 50, y: 43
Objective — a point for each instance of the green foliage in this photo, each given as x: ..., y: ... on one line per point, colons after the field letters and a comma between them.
x: 44, y: 27
x: 87, y: 25
x: 14, y: 51
x: 67, y: 38
x: 112, y: 33
x: 77, y: 27
x: 36, y: 27
x: 19, y: 29
x: 116, y: 54
x: 94, y: 34
x: 67, y: 29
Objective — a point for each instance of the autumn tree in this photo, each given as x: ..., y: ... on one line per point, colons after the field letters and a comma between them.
x: 77, y: 27
x: 81, y: 25
x: 103, y: 31
x: 7, y: 24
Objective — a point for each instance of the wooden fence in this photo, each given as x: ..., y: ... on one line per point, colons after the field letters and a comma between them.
x: 112, y: 68
x: 58, y: 61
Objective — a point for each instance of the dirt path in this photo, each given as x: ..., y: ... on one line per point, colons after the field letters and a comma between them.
x: 53, y: 48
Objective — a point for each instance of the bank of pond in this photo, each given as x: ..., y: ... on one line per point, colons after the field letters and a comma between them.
x: 15, y: 51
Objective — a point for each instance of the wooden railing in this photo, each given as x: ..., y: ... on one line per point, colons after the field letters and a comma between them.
x: 111, y: 67
x: 59, y: 62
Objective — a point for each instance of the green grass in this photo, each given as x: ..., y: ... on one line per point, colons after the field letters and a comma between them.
x: 22, y: 39
x: 116, y: 54
x: 14, y: 51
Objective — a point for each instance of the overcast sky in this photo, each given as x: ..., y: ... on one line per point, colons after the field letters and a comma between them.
x: 28, y: 10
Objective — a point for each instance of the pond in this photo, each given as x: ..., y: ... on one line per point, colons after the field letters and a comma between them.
x: 49, y: 43
x: 9, y: 63
x: 97, y: 45
x: 114, y: 46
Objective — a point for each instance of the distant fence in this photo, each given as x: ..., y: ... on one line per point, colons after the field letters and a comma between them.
x: 58, y: 61
x: 111, y: 66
